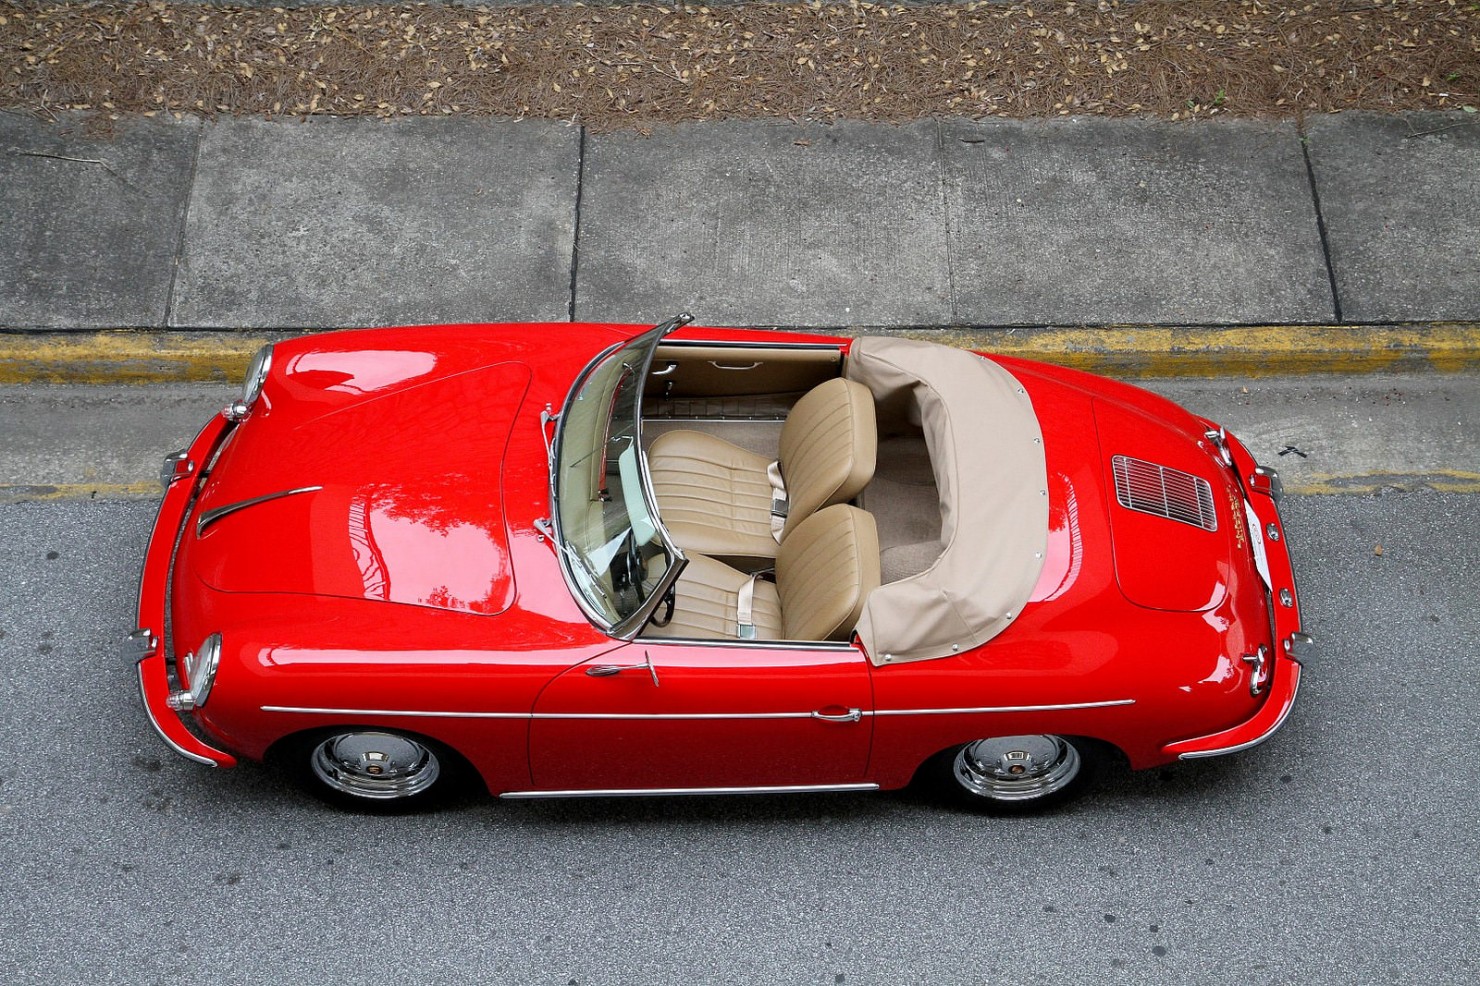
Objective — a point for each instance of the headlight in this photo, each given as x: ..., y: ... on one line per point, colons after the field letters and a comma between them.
x: 252, y: 386
x: 197, y: 674
x: 257, y: 375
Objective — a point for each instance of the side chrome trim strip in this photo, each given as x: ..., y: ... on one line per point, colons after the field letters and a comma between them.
x: 1003, y: 708
x: 411, y: 713
x: 416, y: 713
x: 209, y: 517
x: 671, y: 715
x: 638, y: 792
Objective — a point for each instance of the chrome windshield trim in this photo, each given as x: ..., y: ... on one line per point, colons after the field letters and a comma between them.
x: 1003, y: 708
x: 629, y: 628
x: 637, y: 792
x: 209, y: 517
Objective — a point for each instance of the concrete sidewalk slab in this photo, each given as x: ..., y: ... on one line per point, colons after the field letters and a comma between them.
x: 90, y: 225
x: 346, y: 222
x: 1401, y: 200
x: 765, y: 223
x: 1101, y: 221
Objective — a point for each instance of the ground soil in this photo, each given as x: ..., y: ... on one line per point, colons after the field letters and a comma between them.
x: 612, y: 67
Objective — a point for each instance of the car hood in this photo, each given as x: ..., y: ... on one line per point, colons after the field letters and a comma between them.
x: 391, y: 493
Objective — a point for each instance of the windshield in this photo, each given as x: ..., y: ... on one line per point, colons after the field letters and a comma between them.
x: 608, y: 534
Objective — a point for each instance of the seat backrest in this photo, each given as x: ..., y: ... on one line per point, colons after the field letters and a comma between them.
x: 829, y: 445
x: 825, y: 570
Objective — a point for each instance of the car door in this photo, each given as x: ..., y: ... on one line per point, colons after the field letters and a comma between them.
x: 680, y: 715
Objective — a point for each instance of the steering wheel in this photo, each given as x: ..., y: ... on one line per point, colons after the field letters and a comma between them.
x: 669, y: 598
x: 626, y: 567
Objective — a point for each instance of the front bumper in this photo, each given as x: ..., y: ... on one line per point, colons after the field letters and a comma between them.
x: 1292, y: 647
x: 146, y: 644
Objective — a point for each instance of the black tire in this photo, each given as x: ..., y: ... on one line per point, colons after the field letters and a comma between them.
x: 374, y: 771
x: 1015, y: 775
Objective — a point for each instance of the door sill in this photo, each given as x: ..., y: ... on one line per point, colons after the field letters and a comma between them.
x: 639, y: 792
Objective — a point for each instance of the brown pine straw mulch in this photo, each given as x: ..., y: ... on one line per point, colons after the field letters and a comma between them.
x: 611, y: 67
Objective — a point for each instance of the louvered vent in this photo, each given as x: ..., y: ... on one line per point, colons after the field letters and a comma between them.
x: 1169, y: 493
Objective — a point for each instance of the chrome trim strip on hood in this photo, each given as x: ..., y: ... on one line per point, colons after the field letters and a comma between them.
x: 209, y: 517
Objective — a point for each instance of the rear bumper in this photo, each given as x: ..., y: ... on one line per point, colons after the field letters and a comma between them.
x: 146, y: 644
x: 1253, y: 731
x: 1291, y: 646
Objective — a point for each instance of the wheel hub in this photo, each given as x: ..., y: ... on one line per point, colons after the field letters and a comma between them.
x: 375, y: 765
x: 1016, y: 768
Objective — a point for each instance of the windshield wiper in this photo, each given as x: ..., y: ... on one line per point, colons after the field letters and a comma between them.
x: 574, y: 557
x: 546, y: 420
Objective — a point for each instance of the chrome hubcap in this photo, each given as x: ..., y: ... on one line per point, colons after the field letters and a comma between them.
x: 1016, y: 768
x: 375, y: 765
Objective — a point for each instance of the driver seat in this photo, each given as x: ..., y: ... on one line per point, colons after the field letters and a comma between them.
x: 718, y: 499
x: 825, y: 570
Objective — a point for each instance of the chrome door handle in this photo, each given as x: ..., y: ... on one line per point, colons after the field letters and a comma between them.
x: 665, y: 371
x: 852, y: 715
x: 606, y: 670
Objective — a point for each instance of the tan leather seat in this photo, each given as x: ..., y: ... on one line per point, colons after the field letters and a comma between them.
x: 715, y: 498
x: 824, y: 571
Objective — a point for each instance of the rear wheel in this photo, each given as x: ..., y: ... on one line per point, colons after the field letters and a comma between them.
x: 1016, y: 774
x: 374, y: 770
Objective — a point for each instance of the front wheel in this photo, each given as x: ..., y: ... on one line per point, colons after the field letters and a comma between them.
x: 374, y: 770
x: 1016, y: 774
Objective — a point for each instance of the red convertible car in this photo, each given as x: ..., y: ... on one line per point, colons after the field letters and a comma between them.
x: 564, y: 560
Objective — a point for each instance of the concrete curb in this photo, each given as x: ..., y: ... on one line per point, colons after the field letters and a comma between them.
x: 154, y: 357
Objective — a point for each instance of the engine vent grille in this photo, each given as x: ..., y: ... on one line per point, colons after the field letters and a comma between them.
x: 1169, y: 493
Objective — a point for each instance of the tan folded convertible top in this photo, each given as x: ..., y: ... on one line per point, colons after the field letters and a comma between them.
x: 986, y: 451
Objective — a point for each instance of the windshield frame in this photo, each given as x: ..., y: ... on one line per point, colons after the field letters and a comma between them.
x: 629, y: 626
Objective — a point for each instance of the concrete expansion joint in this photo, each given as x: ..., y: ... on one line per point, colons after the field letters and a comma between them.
x: 151, y: 356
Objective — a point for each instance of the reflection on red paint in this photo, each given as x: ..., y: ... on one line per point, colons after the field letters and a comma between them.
x: 451, y: 565
x: 1064, y: 553
x: 360, y: 372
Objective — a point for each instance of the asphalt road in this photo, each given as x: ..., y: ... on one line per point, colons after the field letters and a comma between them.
x: 1344, y: 850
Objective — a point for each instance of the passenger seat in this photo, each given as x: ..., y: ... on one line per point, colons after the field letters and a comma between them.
x: 718, y: 499
x: 825, y: 570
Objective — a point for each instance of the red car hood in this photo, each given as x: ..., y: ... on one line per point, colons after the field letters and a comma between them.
x: 382, y: 485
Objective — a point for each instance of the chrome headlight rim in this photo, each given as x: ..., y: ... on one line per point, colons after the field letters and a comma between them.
x: 257, y: 371
x: 200, y: 669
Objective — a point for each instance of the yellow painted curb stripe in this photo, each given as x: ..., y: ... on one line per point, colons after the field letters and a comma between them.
x: 143, y: 357
x: 1240, y: 351
x: 1325, y: 484
x: 19, y: 493
x: 127, y: 357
